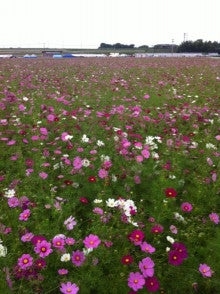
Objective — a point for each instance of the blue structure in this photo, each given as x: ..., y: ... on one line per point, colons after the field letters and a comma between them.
x: 57, y: 56
x: 68, y: 55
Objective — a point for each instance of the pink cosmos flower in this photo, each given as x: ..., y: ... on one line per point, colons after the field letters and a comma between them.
x: 103, y: 173
x: 146, y: 267
x: 70, y: 241
x: 58, y: 242
x: 11, y: 142
x: 51, y: 117
x: 145, y: 247
x: 13, y: 202
x: 136, y: 281
x: 214, y: 217
x: 43, y: 175
x: 78, y: 258
x: 98, y: 210
x: 25, y: 261
x: 139, y: 158
x: 21, y: 107
x: 91, y: 241
x: 43, y: 248
x: 146, y: 96
x: 77, y: 163
x: 70, y: 223
x: 62, y: 271
x: 27, y: 237
x: 69, y: 288
x: 186, y: 207
x: 44, y: 131
x: 25, y: 215
x: 205, y: 270
x: 137, y: 179
x: 145, y: 153
x: 173, y: 229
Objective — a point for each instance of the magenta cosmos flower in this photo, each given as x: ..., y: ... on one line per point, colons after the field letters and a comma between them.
x: 40, y: 264
x: 78, y: 258
x: 205, y: 270
x: 69, y: 288
x: 180, y: 248
x: 43, y: 248
x: 157, y: 229
x: 136, y: 237
x: 25, y: 261
x: 152, y: 284
x: 186, y: 207
x: 37, y: 239
x: 91, y: 241
x: 175, y: 258
x: 146, y: 266
x: 136, y: 281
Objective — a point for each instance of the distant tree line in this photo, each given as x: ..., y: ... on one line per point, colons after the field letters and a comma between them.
x: 199, y: 46
x: 186, y: 46
x: 116, y: 46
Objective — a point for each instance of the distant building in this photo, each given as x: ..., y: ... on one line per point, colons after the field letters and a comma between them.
x: 7, y: 56
x: 51, y: 53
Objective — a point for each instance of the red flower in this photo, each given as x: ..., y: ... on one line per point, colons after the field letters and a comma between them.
x: 92, y: 179
x: 68, y: 182
x: 84, y: 200
x: 127, y: 259
x: 170, y: 193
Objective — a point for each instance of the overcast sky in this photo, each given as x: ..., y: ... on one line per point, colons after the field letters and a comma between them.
x: 87, y: 23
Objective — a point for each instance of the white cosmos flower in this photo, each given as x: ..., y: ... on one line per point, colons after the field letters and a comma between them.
x: 170, y: 239
x: 65, y: 257
x: 85, y: 162
x: 3, y: 251
x: 100, y: 143
x: 97, y: 201
x: 9, y: 193
x: 114, y: 178
x: 111, y: 202
x: 85, y: 139
x: 210, y: 146
x: 86, y: 251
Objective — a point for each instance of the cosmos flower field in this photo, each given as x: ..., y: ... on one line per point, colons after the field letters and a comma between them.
x: 109, y: 176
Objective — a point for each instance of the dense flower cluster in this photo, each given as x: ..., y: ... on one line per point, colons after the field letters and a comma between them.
x: 109, y: 175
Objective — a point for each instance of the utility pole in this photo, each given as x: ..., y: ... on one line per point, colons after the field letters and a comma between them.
x: 172, y: 46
